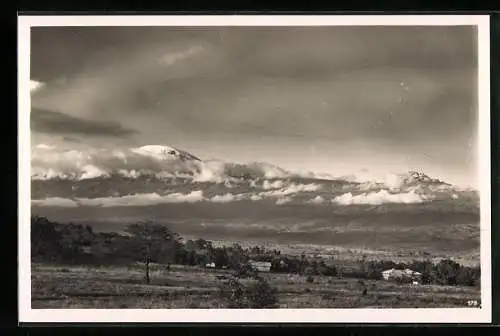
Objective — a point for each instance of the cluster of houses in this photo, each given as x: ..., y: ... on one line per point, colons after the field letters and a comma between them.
x: 212, y: 266
x: 392, y: 274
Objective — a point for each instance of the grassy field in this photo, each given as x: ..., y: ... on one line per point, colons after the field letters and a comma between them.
x: 55, y: 287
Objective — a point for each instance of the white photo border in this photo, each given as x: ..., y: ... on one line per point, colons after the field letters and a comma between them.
x: 421, y: 315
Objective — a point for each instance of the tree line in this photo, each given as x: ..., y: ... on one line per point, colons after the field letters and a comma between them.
x: 149, y: 242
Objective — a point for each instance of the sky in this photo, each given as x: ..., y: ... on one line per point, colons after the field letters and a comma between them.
x: 324, y: 99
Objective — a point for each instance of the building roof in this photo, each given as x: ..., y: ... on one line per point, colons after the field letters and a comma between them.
x: 405, y: 271
x: 409, y: 271
x: 261, y: 263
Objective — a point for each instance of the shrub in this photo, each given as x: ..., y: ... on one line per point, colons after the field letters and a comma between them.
x: 310, y: 278
x: 447, y: 271
x: 246, y: 271
x: 469, y: 276
x: 262, y: 295
x: 257, y: 295
x: 330, y: 271
x: 374, y: 270
x: 234, y: 293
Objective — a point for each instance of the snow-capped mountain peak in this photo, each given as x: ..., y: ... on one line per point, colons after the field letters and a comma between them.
x: 414, y: 176
x: 162, y: 152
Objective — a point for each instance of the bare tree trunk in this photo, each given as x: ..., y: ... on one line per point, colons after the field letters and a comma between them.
x: 147, y: 270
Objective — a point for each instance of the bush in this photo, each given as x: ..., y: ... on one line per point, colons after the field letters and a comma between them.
x: 310, y: 279
x: 330, y: 271
x: 262, y: 295
x: 257, y: 295
x: 234, y: 293
x: 246, y: 271
x: 469, y: 276
x: 374, y: 270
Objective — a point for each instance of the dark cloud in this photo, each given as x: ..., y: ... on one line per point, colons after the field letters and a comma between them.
x: 51, y: 122
x: 72, y: 139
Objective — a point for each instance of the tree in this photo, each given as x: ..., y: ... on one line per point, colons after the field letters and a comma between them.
x: 236, y: 256
x: 220, y: 257
x: 157, y: 242
x: 74, y: 238
x: 314, y: 267
x: 363, y: 264
x: 190, y: 245
x: 447, y: 271
x: 302, y: 263
x: 202, y: 244
x: 45, y: 239
x: 427, y: 269
x: 373, y: 271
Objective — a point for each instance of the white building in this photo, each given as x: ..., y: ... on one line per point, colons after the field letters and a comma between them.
x: 398, y: 274
x: 412, y: 273
x: 261, y: 266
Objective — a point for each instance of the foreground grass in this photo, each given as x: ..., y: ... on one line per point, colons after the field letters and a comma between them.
x: 55, y: 287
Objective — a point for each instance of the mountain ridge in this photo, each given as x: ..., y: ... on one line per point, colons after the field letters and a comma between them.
x: 157, y: 171
x: 43, y: 168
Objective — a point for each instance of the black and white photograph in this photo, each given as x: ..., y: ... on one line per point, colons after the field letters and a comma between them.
x: 187, y: 165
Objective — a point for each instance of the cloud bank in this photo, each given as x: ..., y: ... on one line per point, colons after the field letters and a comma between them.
x: 373, y: 198
x: 129, y: 200
x: 379, y: 197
